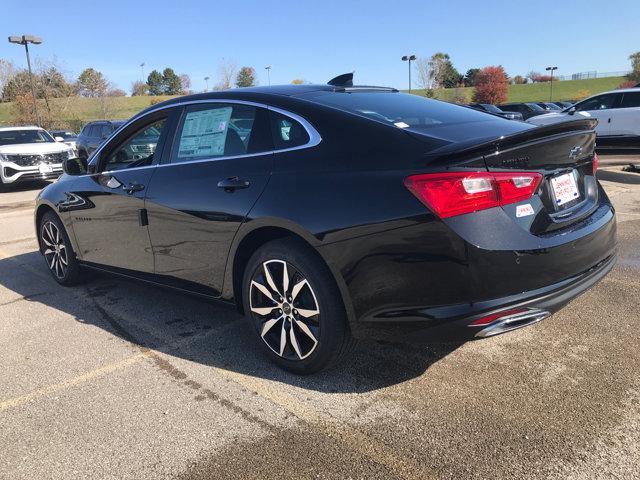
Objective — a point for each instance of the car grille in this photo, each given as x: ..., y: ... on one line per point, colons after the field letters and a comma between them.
x: 31, y: 160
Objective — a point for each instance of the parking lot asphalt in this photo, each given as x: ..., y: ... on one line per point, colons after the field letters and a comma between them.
x: 116, y: 379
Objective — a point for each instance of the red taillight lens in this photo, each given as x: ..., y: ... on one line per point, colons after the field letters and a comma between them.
x: 595, y: 163
x: 456, y: 193
x: 494, y: 316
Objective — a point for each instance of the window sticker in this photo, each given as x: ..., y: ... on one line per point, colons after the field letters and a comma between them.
x: 204, y: 133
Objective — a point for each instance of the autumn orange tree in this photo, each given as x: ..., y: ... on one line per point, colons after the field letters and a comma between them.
x: 491, y: 85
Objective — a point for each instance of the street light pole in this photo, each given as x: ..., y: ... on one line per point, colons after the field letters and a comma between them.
x: 551, y: 69
x: 206, y: 79
x: 268, y: 69
x: 409, y: 58
x: 26, y: 40
x: 142, y: 70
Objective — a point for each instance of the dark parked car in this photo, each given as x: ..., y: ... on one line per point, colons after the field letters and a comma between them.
x: 322, y: 211
x: 94, y: 134
x: 527, y: 109
x: 549, y: 106
x: 564, y: 105
x: 489, y: 108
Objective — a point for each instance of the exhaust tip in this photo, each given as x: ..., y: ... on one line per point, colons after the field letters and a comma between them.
x: 512, y: 321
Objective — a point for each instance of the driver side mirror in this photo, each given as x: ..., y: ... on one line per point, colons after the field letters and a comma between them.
x: 58, y: 139
x: 571, y: 110
x: 75, y: 166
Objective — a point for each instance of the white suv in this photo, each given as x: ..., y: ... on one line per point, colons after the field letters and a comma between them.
x: 618, y: 114
x: 30, y: 153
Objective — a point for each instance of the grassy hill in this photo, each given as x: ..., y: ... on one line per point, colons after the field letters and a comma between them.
x: 77, y: 111
x: 539, y: 92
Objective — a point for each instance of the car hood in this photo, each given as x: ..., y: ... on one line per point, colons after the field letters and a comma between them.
x: 34, y: 148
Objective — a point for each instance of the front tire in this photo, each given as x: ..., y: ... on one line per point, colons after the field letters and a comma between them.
x: 294, y: 307
x: 57, y: 250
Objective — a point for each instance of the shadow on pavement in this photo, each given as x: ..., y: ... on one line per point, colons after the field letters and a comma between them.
x: 163, y: 320
x: 24, y: 186
x: 628, y: 178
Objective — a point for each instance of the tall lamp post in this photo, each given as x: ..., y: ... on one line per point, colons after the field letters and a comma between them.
x: 142, y: 71
x: 268, y: 69
x: 26, y: 40
x: 206, y: 79
x: 551, y: 69
x: 409, y: 58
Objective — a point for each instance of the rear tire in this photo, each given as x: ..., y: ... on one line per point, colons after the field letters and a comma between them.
x: 294, y: 307
x: 57, y: 250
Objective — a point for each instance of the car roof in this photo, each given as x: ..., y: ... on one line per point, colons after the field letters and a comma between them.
x: 619, y: 90
x: 272, y: 92
x: 29, y: 127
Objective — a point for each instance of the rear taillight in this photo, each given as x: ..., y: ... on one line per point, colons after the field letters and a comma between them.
x: 595, y: 163
x: 456, y: 193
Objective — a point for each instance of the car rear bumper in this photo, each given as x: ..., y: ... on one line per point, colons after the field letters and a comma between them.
x: 455, y: 322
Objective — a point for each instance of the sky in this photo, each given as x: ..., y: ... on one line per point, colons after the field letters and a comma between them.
x: 316, y: 41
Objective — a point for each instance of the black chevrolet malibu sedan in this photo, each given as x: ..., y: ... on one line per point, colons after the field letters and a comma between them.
x: 322, y: 211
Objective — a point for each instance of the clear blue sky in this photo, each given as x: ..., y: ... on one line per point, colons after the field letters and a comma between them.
x: 320, y: 39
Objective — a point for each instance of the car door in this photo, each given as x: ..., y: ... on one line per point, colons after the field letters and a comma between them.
x: 625, y: 118
x: 600, y: 107
x: 220, y: 163
x: 109, y: 220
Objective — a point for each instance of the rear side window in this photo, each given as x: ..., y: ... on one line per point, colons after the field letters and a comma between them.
x: 287, y: 132
x: 630, y: 99
x: 222, y: 130
x: 106, y: 131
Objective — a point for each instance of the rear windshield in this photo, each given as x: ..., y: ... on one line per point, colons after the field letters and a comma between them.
x: 400, y: 109
x: 15, y: 137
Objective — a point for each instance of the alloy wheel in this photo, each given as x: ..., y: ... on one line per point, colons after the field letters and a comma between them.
x: 285, y: 309
x: 55, y: 250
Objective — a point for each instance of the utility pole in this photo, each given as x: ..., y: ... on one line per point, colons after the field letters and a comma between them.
x: 268, y: 69
x: 26, y: 40
x: 409, y: 58
x: 551, y: 69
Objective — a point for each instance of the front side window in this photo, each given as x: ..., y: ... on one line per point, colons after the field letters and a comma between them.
x: 630, y: 100
x: 138, y: 151
x: 95, y: 130
x: 287, y: 132
x: 221, y: 130
x: 601, y: 102
x: 15, y: 137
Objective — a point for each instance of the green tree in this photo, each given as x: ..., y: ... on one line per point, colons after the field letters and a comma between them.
x: 16, y: 86
x: 155, y: 83
x: 635, y: 67
x: 246, y: 77
x: 91, y: 83
x: 443, y: 72
x: 470, y: 77
x: 171, y: 84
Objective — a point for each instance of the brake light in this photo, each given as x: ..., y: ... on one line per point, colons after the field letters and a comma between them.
x: 456, y: 193
x: 494, y: 316
x: 595, y: 163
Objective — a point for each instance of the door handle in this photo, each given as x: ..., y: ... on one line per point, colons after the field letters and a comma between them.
x: 232, y: 183
x: 133, y: 187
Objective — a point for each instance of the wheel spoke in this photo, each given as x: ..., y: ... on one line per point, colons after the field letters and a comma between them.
x: 265, y: 291
x: 283, y: 339
x: 46, y: 242
x: 262, y: 310
x: 307, y: 313
x: 296, y: 289
x: 285, y: 279
x: 268, y: 324
x: 294, y: 342
x: 48, y: 251
x: 63, y: 259
x: 53, y: 261
x: 269, y: 278
x: 306, y: 330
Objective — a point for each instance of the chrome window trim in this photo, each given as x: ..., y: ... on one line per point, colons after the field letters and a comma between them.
x: 314, y: 136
